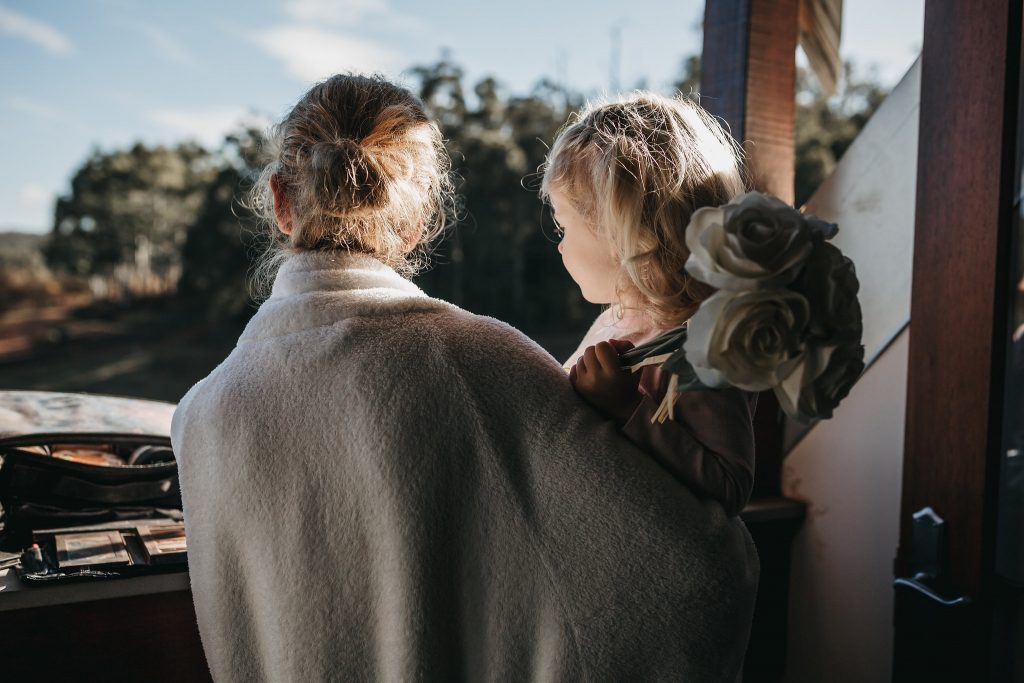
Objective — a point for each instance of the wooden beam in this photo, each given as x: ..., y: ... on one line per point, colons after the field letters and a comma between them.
x: 723, y: 63
x: 748, y: 78
x: 965, y: 188
x: 964, y: 201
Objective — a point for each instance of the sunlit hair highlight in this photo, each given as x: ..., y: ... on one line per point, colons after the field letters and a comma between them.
x: 364, y: 170
x: 637, y: 168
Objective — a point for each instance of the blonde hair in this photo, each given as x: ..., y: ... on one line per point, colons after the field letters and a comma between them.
x: 363, y: 168
x: 637, y: 168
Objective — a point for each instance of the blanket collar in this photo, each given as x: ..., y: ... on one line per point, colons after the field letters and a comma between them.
x: 314, y: 289
x: 337, y: 271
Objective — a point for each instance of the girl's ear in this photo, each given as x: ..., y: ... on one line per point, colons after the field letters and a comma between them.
x: 282, y: 207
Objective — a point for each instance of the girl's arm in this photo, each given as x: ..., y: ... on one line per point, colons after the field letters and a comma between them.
x: 709, y: 445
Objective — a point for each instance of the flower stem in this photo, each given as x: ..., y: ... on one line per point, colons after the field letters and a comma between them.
x: 664, y: 343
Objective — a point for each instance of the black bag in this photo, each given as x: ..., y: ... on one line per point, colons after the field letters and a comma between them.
x: 74, y: 459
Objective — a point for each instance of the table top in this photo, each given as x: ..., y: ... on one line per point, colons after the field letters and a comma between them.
x: 15, y: 594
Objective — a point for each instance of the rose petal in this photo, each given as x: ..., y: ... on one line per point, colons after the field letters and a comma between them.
x: 821, y: 228
x: 700, y: 332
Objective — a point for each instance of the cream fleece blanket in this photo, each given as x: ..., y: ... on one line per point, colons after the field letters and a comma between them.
x: 381, y: 486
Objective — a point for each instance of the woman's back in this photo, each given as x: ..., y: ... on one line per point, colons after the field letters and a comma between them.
x: 379, y: 485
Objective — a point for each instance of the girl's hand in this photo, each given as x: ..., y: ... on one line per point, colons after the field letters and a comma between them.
x: 600, y: 379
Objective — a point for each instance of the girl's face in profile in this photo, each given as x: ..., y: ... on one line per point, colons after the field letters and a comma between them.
x: 589, y: 257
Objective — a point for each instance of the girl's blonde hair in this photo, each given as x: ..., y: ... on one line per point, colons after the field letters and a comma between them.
x: 637, y: 168
x: 363, y: 168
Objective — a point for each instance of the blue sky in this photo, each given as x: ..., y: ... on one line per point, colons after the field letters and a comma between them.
x: 82, y: 74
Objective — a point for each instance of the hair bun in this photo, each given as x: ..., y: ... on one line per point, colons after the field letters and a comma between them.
x: 345, y: 177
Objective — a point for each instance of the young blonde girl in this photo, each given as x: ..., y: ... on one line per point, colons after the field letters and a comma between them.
x: 623, y: 179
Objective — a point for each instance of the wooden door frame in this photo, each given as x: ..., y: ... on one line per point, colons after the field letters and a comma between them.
x: 966, y: 157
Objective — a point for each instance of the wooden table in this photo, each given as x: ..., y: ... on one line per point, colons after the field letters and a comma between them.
x: 136, y: 629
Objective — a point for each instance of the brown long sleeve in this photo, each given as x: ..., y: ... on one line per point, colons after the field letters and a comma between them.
x: 709, y: 446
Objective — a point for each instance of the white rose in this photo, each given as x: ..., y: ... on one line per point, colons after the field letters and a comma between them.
x: 756, y: 241
x: 754, y: 340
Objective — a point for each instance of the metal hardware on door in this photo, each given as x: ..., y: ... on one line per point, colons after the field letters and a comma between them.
x: 916, y: 585
x: 928, y: 560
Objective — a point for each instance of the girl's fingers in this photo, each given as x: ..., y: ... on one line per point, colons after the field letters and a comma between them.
x: 621, y: 345
x: 607, y: 356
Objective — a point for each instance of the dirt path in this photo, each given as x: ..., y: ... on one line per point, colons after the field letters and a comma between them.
x: 24, y: 327
x: 151, y: 349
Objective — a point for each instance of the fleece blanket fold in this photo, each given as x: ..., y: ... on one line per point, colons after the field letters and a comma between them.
x: 378, y: 485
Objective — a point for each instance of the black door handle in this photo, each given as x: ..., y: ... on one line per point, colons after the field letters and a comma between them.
x: 929, y: 628
x: 916, y: 584
x: 928, y: 560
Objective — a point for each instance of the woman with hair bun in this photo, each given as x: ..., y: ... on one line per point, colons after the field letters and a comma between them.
x: 378, y: 485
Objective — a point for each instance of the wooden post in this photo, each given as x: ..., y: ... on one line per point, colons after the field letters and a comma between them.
x: 970, y: 70
x: 748, y: 78
x: 964, y: 203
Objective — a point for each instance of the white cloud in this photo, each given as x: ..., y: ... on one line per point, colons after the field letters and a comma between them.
x: 206, y: 125
x: 320, y: 38
x: 311, y: 54
x: 35, y: 107
x: 42, y: 110
x: 35, y: 196
x: 347, y: 14
x: 166, y: 44
x: 45, y: 36
x: 350, y: 13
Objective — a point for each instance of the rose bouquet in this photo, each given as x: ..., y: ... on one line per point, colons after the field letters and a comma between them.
x: 785, y: 317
